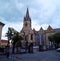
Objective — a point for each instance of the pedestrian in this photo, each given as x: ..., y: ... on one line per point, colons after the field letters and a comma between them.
x: 31, y: 48
x: 26, y: 46
x: 7, y: 51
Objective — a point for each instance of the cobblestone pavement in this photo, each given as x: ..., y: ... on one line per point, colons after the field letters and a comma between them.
x: 51, y: 55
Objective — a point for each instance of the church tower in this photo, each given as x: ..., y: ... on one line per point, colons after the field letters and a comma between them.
x: 27, y: 22
x: 27, y: 30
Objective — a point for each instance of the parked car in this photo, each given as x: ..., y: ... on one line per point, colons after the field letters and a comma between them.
x: 35, y: 47
x: 58, y: 49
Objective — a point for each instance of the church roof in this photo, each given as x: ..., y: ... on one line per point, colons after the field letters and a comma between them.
x: 41, y: 30
x: 4, y: 41
x: 57, y: 30
x: 49, y: 28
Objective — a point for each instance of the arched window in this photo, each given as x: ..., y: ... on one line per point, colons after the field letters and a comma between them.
x: 31, y: 36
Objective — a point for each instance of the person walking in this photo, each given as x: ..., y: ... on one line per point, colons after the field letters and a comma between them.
x: 26, y: 46
x: 31, y: 48
x: 7, y: 51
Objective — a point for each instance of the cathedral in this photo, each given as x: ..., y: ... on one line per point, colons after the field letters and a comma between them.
x: 36, y: 37
x: 32, y: 36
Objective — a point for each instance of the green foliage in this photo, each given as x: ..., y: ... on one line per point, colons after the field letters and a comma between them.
x: 17, y: 39
x: 54, y: 38
x: 57, y: 37
x: 9, y: 34
x: 51, y: 38
x: 14, y: 36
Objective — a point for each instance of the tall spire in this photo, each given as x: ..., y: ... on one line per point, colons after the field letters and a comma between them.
x: 27, y: 16
x: 27, y: 13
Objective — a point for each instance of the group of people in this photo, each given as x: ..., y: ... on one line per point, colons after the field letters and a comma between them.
x: 29, y: 47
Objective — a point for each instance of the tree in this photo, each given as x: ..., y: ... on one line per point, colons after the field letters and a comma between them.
x: 16, y: 41
x: 51, y: 38
x: 55, y: 38
x: 9, y: 34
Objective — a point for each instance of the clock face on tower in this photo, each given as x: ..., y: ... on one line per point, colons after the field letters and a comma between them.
x: 26, y: 24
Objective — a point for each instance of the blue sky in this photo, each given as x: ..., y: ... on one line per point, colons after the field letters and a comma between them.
x: 42, y: 13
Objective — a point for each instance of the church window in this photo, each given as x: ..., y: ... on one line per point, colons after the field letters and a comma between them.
x: 37, y: 39
x: 26, y: 24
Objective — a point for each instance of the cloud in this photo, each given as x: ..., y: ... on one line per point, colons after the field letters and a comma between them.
x: 42, y: 13
x: 19, y: 5
x: 10, y: 10
x: 37, y: 26
x: 17, y: 26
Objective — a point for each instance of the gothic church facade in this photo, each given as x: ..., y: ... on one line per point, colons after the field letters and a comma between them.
x: 36, y: 37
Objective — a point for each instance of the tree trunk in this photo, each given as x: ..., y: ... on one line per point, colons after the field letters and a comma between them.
x: 13, y: 49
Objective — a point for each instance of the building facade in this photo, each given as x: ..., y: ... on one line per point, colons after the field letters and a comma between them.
x: 27, y: 31
x: 1, y: 26
x: 36, y: 37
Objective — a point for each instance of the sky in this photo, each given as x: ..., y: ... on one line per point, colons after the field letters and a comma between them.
x: 42, y: 13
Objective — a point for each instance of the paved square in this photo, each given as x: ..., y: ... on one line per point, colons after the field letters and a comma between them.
x: 51, y: 55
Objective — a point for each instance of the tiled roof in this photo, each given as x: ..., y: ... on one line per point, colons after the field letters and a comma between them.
x: 2, y: 23
x: 49, y: 28
x: 57, y: 30
x: 4, y: 41
x: 54, y: 30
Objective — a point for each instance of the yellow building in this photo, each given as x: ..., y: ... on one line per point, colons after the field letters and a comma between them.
x: 36, y: 37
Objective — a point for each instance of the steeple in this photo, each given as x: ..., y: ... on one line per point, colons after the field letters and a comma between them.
x: 27, y: 16
x: 27, y: 13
